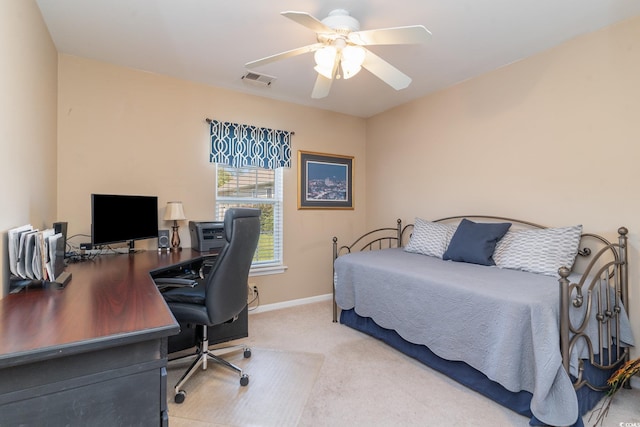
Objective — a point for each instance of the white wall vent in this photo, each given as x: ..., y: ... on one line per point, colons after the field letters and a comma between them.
x: 257, y: 78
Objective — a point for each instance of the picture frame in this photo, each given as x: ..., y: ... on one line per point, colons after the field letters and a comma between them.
x: 325, y: 181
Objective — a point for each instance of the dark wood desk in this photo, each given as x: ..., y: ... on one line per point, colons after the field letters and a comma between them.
x: 93, y: 353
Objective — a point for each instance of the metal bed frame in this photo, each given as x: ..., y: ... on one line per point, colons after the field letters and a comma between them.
x: 606, y: 274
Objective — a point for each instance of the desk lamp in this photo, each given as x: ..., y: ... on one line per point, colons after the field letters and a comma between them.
x: 175, y: 213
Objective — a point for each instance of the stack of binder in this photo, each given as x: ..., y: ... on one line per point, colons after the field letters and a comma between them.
x: 36, y: 256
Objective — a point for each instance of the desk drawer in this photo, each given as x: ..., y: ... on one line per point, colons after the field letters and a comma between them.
x: 124, y: 385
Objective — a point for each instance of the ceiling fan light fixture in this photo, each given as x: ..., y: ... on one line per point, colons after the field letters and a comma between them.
x: 325, y: 57
x: 325, y: 71
x: 351, y: 62
x: 354, y: 54
x: 349, y: 69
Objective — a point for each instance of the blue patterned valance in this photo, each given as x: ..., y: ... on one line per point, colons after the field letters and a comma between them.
x: 243, y: 145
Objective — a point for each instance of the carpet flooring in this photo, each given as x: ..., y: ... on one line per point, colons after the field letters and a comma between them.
x: 279, y: 384
x: 307, y: 371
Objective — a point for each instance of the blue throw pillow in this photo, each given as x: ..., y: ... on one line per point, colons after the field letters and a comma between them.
x: 475, y: 242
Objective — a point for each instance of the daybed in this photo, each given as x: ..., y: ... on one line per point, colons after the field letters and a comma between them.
x: 500, y: 305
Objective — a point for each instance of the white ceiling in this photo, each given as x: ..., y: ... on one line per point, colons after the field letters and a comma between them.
x: 209, y: 41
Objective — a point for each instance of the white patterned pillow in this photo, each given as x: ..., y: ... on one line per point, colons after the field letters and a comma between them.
x: 430, y: 238
x: 539, y: 251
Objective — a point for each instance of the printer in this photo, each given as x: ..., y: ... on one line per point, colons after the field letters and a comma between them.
x: 206, y: 236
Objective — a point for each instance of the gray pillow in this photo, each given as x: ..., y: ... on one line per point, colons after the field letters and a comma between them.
x: 430, y: 238
x: 541, y: 251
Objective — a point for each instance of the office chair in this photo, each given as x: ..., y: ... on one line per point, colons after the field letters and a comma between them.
x: 221, y: 295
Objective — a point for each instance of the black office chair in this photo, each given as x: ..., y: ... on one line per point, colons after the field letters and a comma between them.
x: 222, y: 294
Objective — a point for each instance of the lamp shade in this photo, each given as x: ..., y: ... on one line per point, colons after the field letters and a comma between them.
x: 325, y: 71
x: 349, y: 69
x: 353, y: 54
x: 325, y: 57
x: 174, y: 212
x: 352, y: 59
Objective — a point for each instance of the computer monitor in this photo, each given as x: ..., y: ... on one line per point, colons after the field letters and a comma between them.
x: 123, y: 218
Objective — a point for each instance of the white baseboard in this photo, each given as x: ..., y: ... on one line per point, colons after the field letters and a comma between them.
x: 292, y: 303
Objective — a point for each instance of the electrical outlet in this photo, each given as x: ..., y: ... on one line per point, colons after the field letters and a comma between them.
x: 253, y: 291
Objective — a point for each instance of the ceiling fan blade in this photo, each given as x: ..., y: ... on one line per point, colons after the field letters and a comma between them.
x: 413, y: 34
x: 385, y: 71
x: 322, y: 87
x: 283, y: 55
x: 307, y: 20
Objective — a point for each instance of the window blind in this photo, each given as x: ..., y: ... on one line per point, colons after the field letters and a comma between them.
x: 256, y: 188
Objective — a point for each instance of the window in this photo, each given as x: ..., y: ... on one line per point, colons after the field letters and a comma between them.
x: 253, y: 187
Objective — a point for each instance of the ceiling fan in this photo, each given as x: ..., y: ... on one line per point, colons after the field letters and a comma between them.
x: 340, y: 51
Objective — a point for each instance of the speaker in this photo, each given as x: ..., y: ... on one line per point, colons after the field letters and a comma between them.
x: 61, y: 227
x: 163, y: 239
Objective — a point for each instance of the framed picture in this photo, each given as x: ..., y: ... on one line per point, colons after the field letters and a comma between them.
x: 325, y: 181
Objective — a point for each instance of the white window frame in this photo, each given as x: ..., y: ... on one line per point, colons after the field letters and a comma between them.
x: 259, y: 268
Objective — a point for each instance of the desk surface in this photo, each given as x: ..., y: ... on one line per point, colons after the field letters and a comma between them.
x: 111, y: 298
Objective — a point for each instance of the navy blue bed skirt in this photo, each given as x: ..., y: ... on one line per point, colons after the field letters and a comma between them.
x: 472, y: 378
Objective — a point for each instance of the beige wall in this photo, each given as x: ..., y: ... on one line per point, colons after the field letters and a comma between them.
x: 28, y: 79
x: 552, y: 139
x: 132, y: 132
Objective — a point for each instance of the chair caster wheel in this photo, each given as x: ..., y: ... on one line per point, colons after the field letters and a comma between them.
x: 247, y: 353
x: 244, y: 380
x: 180, y: 396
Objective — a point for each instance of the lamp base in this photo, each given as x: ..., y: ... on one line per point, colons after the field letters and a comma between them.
x: 175, y: 238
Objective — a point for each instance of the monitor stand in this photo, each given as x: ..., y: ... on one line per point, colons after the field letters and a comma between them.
x: 131, y: 247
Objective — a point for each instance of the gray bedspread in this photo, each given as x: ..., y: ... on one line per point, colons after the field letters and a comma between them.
x: 502, y: 322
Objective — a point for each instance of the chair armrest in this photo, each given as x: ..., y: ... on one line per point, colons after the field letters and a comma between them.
x: 174, y: 282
